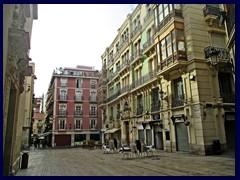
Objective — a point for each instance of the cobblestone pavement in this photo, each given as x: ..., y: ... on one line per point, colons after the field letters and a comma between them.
x: 84, y: 162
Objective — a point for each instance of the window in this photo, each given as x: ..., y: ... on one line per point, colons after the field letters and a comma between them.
x: 169, y: 45
x: 78, y: 95
x: 62, y: 124
x: 63, y: 82
x: 178, y: 88
x: 160, y: 11
x: 172, y: 43
x: 62, y: 109
x: 93, y: 110
x: 93, y: 124
x: 180, y: 39
x: 227, y: 87
x: 93, y: 96
x: 163, y: 49
x: 78, y: 83
x: 78, y: 124
x: 63, y: 94
x: 93, y: 84
x: 218, y: 40
x: 78, y: 110
x: 166, y: 10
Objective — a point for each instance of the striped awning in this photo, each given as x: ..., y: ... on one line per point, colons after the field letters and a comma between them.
x: 110, y: 131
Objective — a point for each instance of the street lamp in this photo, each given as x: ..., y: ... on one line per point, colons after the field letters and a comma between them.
x: 219, y: 58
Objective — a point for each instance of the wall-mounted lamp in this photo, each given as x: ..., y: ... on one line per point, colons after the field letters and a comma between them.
x: 191, y: 77
x: 219, y: 58
x: 28, y: 87
x: 147, y: 112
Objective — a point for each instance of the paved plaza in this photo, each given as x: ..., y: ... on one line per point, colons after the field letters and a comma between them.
x: 84, y: 162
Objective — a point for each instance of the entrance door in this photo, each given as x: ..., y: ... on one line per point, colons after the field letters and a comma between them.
x: 158, y: 140
x: 230, y: 130
x: 182, y: 137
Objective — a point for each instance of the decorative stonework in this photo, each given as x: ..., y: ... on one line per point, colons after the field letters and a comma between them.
x: 19, y: 17
x: 18, y: 56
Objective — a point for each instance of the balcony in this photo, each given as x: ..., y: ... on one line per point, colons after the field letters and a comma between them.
x: 155, y: 107
x: 63, y: 98
x: 137, y: 55
x: 211, y: 14
x: 118, y: 115
x: 168, y: 18
x: 111, y: 118
x: 124, y: 65
x: 93, y: 99
x: 177, y: 101
x: 228, y: 97
x: 78, y: 113
x: 62, y: 113
x: 140, y: 110
x: 148, y: 44
x: 148, y: 16
x: 92, y: 114
x: 136, y: 31
x: 78, y: 98
x: 144, y: 79
x: 124, y: 42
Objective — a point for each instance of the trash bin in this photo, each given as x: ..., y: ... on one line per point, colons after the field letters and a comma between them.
x: 216, y: 147
x: 24, y: 159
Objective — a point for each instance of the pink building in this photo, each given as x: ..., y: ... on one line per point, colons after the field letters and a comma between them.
x: 71, y: 105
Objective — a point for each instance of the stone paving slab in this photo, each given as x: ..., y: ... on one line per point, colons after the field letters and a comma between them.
x: 84, y: 162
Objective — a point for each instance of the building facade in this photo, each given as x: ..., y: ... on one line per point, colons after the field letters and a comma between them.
x: 168, y: 79
x: 38, y: 126
x: 17, y: 27
x: 71, y: 106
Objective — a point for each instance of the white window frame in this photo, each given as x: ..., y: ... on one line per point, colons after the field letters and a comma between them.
x: 60, y: 125
x: 78, y: 127
x: 64, y: 82
x: 93, y: 123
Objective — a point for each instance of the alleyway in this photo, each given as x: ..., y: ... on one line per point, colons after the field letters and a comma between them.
x: 84, y: 162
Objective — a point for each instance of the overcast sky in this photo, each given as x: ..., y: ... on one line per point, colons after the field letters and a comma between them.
x: 72, y: 34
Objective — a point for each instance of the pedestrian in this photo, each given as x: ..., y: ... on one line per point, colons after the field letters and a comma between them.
x: 138, y: 144
x: 35, y: 144
x: 115, y: 143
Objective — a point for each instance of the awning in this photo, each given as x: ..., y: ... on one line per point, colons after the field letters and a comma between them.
x: 110, y: 131
x: 44, y: 134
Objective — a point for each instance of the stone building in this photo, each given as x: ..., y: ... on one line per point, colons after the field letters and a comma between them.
x: 168, y: 78
x: 17, y: 27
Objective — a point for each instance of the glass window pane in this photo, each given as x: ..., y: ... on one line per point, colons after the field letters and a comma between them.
x: 180, y: 35
x: 160, y: 17
x: 166, y: 11
x: 177, y: 6
x: 170, y: 7
x: 181, y: 46
x: 169, y: 50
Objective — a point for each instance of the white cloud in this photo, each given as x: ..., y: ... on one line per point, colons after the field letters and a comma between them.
x: 72, y: 34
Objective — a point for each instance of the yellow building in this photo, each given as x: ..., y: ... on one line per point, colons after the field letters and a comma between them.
x: 161, y: 85
x: 17, y: 27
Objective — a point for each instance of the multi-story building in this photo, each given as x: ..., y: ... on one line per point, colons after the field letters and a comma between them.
x: 71, y: 106
x: 168, y: 79
x: 38, y: 126
x: 26, y: 106
x: 17, y: 27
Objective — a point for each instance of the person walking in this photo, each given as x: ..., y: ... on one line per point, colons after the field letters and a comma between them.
x: 115, y: 143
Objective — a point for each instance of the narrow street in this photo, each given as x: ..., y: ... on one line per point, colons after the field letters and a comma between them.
x: 84, y: 162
